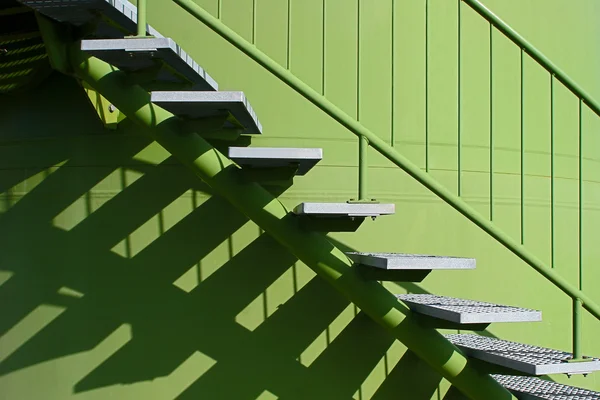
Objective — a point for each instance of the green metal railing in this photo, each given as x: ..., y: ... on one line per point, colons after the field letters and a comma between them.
x: 368, y: 138
x: 555, y: 74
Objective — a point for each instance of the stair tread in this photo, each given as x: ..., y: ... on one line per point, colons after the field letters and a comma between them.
x: 272, y: 157
x: 135, y: 54
x: 80, y: 12
x: 521, y: 357
x: 344, y: 209
x: 465, y: 311
x: 411, y: 261
x: 536, y: 388
x: 195, y: 104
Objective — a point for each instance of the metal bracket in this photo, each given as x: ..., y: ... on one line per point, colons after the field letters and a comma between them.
x: 331, y: 224
x: 366, y: 201
x: 391, y: 275
x: 269, y: 174
x: 363, y: 201
x: 108, y: 113
x: 436, y: 323
x: 146, y: 75
x: 211, y: 128
x: 579, y: 360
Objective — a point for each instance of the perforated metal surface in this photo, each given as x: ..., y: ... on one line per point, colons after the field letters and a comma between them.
x: 464, y: 311
x: 532, y: 360
x: 262, y: 157
x: 410, y: 261
x: 344, y: 209
x: 208, y: 104
x: 135, y: 54
x: 80, y: 12
x: 527, y: 387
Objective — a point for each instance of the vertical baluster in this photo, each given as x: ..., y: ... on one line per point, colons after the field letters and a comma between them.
x: 358, y: 60
x: 580, y: 184
x: 219, y: 8
x: 363, y: 146
x: 552, y: 170
x: 254, y: 21
x: 577, y: 306
x: 363, y: 143
x: 141, y: 18
x: 426, y: 85
x: 289, y: 35
x: 491, y: 124
x: 459, y: 104
x: 393, y: 111
x: 522, y: 147
x: 323, y: 53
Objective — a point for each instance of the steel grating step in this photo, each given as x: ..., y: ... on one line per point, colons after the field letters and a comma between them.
x: 464, y: 311
x: 400, y: 261
x: 209, y: 104
x: 80, y: 12
x: 530, y: 388
x: 521, y: 357
x: 344, y: 210
x: 275, y: 157
x: 137, y: 54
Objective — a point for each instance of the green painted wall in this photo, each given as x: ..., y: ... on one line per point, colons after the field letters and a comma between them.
x: 122, y: 277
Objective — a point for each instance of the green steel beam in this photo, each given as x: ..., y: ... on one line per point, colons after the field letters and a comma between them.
x: 388, y: 151
x: 534, y: 53
x: 312, y: 248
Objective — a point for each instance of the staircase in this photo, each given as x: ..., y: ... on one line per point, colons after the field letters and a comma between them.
x: 176, y: 83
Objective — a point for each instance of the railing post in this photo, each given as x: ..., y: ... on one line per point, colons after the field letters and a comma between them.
x: 577, y: 306
x: 141, y: 18
x: 363, y: 166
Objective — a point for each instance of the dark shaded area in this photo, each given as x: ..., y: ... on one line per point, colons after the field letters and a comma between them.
x: 23, y: 59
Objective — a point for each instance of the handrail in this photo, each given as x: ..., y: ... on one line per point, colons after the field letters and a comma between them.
x: 534, y: 53
x: 388, y: 151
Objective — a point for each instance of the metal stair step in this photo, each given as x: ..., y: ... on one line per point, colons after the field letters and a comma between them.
x: 274, y: 157
x: 209, y: 104
x: 532, y: 360
x: 344, y: 210
x: 137, y: 54
x: 80, y: 12
x: 530, y: 388
x: 464, y: 311
x: 400, y: 261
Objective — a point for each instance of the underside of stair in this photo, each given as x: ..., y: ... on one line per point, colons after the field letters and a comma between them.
x: 532, y: 360
x: 400, y: 261
x: 530, y: 388
x: 302, y: 159
x: 344, y: 210
x: 142, y: 54
x: 106, y: 14
x: 462, y: 311
x: 196, y: 105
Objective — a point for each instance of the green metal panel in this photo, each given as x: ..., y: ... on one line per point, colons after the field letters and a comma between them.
x: 143, y: 260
